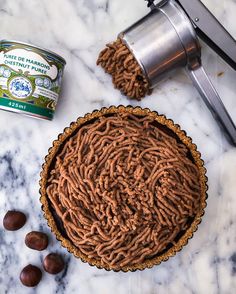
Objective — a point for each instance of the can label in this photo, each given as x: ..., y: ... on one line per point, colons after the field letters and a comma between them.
x: 30, y: 79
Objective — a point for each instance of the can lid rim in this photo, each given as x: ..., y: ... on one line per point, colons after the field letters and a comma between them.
x: 37, y: 47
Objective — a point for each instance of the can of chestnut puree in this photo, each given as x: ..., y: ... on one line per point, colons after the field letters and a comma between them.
x: 30, y: 79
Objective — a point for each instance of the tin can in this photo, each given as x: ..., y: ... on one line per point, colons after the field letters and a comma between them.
x: 30, y: 79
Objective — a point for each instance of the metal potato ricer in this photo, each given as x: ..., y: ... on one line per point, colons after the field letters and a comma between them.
x: 166, y: 39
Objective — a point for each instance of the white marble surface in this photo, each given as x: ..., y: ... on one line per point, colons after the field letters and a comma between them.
x: 78, y: 30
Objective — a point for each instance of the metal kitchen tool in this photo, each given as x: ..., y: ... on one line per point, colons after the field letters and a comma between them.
x: 166, y: 39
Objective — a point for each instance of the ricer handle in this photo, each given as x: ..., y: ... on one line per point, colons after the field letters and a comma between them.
x: 213, y: 101
x: 210, y: 30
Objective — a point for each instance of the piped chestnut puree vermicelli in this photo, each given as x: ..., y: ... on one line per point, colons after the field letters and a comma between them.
x: 127, y: 76
x: 124, y: 189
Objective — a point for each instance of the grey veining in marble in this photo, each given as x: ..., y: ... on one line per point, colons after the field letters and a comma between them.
x: 78, y: 30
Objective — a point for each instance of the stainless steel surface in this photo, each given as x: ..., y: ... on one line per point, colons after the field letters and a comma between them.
x: 213, y: 101
x: 183, y: 28
x: 165, y: 40
x: 211, y: 30
x: 162, y: 41
x: 155, y: 45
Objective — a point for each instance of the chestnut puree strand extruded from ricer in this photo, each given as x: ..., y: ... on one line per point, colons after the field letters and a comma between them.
x: 124, y: 189
x: 127, y: 76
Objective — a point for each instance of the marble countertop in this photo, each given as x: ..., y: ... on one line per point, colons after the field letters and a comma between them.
x: 78, y: 30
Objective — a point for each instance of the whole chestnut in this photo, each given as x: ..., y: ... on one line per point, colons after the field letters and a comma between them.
x: 36, y: 240
x: 14, y: 220
x: 53, y: 263
x: 30, y: 276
